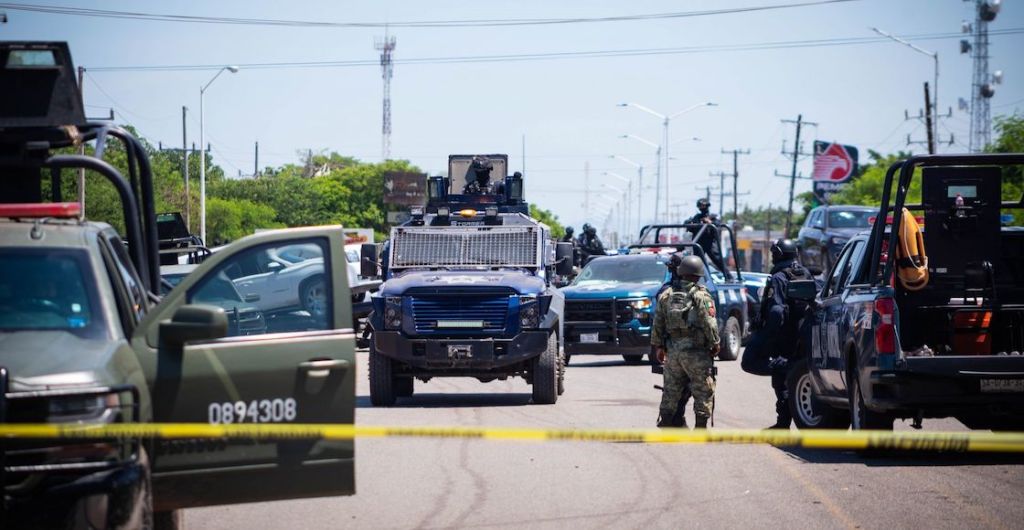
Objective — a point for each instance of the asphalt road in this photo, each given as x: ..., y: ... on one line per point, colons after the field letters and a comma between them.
x: 436, y: 483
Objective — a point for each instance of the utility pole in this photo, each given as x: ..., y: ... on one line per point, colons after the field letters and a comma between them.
x: 735, y: 178
x: 81, y: 148
x: 184, y: 171
x: 796, y: 154
x: 721, y: 190
x: 386, y: 47
x: 930, y: 117
x: 256, y: 162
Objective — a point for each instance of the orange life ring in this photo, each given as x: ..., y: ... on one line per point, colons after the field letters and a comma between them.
x: 911, y: 259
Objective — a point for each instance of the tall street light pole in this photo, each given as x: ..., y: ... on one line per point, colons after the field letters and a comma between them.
x: 935, y: 87
x: 624, y: 204
x: 666, y: 119
x: 202, y: 152
x: 657, y: 178
x: 639, y: 188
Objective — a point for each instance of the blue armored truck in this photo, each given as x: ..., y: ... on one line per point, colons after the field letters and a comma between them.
x: 468, y: 288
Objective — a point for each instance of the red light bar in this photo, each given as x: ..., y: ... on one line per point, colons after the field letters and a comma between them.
x: 41, y: 209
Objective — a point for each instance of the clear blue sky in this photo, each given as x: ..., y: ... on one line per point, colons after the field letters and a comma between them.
x: 566, y: 108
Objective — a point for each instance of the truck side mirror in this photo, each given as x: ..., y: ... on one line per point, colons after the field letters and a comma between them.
x: 563, y: 259
x: 193, y: 323
x: 803, y: 290
x: 368, y: 260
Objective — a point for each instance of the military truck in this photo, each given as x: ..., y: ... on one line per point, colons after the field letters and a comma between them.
x: 468, y: 288
x: 85, y: 338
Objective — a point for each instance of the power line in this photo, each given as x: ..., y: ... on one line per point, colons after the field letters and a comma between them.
x: 473, y: 23
x: 635, y: 52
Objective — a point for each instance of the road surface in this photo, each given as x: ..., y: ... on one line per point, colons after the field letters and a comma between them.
x: 445, y: 483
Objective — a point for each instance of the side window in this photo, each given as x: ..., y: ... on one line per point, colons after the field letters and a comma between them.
x: 832, y: 285
x: 818, y: 220
x: 264, y: 291
x: 129, y: 278
x: 849, y: 273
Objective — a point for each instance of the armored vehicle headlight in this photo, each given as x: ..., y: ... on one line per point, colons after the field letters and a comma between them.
x: 529, y: 312
x: 393, y: 312
x: 72, y: 408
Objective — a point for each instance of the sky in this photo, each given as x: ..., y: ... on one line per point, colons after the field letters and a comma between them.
x: 564, y: 109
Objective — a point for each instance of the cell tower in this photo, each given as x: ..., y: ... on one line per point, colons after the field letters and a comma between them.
x: 386, y: 46
x: 983, y: 83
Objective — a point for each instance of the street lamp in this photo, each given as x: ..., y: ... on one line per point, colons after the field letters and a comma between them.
x: 627, y: 198
x: 657, y: 177
x: 202, y: 153
x: 639, y: 186
x: 666, y: 118
x: 935, y: 94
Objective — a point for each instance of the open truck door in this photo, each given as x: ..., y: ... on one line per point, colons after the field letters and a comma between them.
x: 302, y: 370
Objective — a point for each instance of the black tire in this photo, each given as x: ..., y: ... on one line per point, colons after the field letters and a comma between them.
x: 545, y: 374
x: 562, y: 360
x: 382, y: 380
x: 313, y: 296
x: 807, y: 411
x: 169, y: 520
x: 731, y: 338
x: 633, y: 359
x: 404, y: 386
x: 861, y: 417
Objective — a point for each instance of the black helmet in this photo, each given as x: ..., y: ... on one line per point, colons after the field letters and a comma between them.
x: 703, y: 204
x: 592, y: 231
x: 569, y: 230
x: 482, y: 167
x: 783, y: 249
x: 586, y: 227
x: 690, y: 266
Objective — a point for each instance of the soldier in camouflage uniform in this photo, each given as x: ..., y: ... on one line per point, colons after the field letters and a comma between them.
x: 685, y: 337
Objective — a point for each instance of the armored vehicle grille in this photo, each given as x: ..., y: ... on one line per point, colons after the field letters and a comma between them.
x: 490, y: 309
x: 598, y: 311
x: 440, y: 247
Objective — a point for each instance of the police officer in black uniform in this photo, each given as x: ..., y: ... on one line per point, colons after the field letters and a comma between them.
x: 480, y: 169
x: 589, y: 244
x: 710, y: 239
x: 567, y: 238
x: 774, y: 342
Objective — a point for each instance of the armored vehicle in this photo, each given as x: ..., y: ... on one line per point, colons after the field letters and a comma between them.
x: 86, y: 339
x: 468, y: 288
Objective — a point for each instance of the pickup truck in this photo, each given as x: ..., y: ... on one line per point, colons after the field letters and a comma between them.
x: 880, y: 345
x: 730, y: 294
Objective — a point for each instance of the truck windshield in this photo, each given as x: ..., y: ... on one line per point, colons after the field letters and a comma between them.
x: 47, y: 290
x: 849, y: 219
x: 622, y: 271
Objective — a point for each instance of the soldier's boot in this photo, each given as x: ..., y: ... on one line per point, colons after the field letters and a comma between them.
x: 664, y: 420
x: 678, y: 420
x: 700, y: 422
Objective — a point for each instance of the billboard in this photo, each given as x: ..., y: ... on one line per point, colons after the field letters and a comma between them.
x: 834, y: 165
x: 405, y: 188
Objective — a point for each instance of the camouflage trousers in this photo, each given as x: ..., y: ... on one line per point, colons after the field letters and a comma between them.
x: 688, y: 369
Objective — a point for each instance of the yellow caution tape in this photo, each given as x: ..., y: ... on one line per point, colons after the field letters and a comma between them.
x: 811, y: 439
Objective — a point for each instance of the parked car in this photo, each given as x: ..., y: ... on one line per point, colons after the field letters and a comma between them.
x: 283, y: 279
x: 243, y: 317
x: 826, y: 231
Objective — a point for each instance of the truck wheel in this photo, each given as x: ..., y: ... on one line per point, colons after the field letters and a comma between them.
x: 730, y: 340
x: 861, y: 417
x: 545, y: 374
x: 404, y: 386
x: 169, y: 520
x: 807, y: 411
x: 633, y: 359
x: 382, y: 380
x: 313, y: 297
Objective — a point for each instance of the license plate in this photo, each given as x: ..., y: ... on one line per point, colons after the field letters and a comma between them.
x: 460, y: 351
x: 1002, y: 385
x: 589, y: 338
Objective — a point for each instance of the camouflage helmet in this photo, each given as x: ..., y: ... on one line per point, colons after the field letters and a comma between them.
x: 690, y: 266
x: 703, y: 204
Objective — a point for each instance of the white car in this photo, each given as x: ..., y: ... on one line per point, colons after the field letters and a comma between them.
x: 282, y: 279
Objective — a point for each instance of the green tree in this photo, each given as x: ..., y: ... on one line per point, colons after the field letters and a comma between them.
x: 548, y: 218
